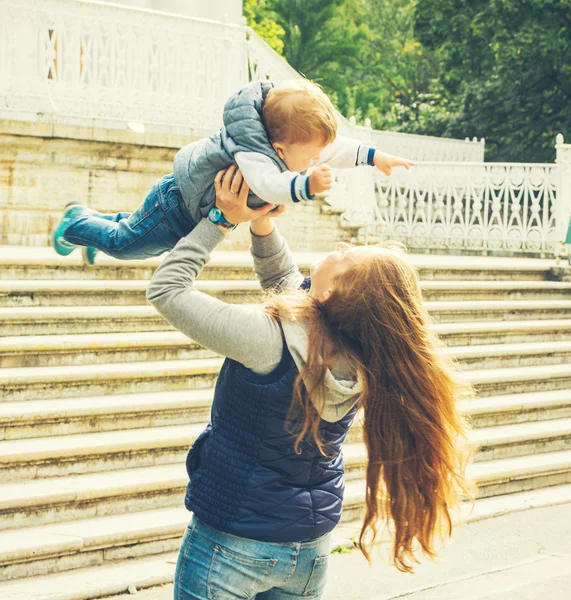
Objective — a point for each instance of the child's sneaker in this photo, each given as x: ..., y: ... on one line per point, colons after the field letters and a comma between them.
x: 88, y: 254
x: 59, y: 243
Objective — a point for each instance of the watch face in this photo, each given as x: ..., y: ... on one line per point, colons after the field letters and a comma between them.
x: 216, y: 213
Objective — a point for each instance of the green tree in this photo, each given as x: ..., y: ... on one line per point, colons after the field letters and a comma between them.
x: 262, y: 21
x: 505, y: 66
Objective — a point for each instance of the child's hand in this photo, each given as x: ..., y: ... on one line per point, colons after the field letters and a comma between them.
x: 386, y: 162
x: 320, y: 180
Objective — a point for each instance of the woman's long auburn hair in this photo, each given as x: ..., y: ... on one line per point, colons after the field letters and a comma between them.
x: 416, y: 440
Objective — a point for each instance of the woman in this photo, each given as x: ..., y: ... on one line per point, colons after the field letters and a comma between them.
x: 266, y: 475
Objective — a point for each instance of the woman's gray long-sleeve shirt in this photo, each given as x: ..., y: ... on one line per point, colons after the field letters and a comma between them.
x: 244, y: 333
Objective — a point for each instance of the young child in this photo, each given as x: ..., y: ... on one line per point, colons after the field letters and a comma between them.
x: 274, y: 133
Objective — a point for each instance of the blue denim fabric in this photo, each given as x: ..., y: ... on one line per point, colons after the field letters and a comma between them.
x: 153, y: 228
x: 213, y: 565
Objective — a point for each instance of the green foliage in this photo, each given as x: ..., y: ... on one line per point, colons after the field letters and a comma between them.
x: 505, y: 66
x: 499, y: 69
x: 262, y: 21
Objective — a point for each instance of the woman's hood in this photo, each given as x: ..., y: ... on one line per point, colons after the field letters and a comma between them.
x: 343, y: 387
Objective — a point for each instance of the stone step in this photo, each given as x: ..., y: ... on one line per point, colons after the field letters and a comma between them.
x: 36, y: 458
x: 493, y: 356
x: 510, y: 409
x: 495, y: 290
x: 102, y: 348
x: 497, y: 382
x: 94, y: 414
x: 503, y: 332
x: 97, y: 348
x: 52, y: 320
x: 524, y: 441
x: 109, y: 579
x: 503, y: 310
x: 35, y: 383
x: 20, y: 293
x: 57, y: 547
x: 72, y: 497
x: 86, y: 292
x: 39, y: 458
x: 35, y: 263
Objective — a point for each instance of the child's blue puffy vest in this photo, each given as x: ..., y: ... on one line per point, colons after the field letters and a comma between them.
x: 245, y: 478
x: 196, y: 165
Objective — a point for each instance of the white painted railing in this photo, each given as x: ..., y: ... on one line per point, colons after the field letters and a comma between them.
x: 507, y: 208
x: 114, y: 64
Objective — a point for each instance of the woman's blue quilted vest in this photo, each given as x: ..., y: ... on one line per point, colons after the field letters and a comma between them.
x: 245, y: 477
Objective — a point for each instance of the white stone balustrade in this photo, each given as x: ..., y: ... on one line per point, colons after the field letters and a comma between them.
x: 93, y: 63
x: 501, y: 207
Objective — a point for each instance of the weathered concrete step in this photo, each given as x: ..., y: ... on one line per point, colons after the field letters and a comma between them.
x: 116, y: 293
x: 35, y: 383
x: 102, y: 348
x: 493, y: 356
x: 517, y: 408
x: 503, y: 310
x: 90, y: 453
x: 107, y: 580
x: 67, y: 498
x: 70, y: 497
x: 62, y: 292
x: 104, y: 319
x: 53, y: 320
x: 507, y: 441
x: 485, y: 508
x: 94, y: 414
x: 43, y: 263
x: 494, y: 443
x: 497, y: 382
x: 97, y: 348
x: 494, y: 477
x: 503, y: 332
x: 93, y: 452
x: 495, y: 290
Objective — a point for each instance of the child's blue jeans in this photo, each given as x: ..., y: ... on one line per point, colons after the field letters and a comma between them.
x: 153, y: 228
x: 213, y: 564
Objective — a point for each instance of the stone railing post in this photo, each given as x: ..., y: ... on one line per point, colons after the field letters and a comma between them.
x: 563, y: 209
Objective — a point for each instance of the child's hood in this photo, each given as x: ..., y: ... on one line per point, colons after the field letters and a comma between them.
x: 343, y: 386
x: 243, y: 122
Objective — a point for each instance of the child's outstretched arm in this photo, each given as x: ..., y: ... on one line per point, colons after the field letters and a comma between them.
x: 346, y: 153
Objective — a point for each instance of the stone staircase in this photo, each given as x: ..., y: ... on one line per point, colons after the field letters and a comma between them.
x: 100, y: 400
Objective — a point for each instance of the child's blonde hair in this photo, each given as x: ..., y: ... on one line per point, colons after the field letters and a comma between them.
x: 298, y: 111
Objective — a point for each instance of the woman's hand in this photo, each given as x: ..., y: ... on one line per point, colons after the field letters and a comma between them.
x: 231, y: 197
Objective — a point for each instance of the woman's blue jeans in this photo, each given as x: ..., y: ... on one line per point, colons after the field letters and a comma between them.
x: 213, y: 565
x: 153, y: 228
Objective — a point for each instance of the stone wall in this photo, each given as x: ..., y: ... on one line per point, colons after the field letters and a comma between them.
x: 45, y: 165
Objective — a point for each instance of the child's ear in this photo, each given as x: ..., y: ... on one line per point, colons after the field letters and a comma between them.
x: 278, y: 147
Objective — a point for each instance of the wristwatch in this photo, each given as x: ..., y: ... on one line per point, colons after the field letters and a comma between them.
x: 217, y: 217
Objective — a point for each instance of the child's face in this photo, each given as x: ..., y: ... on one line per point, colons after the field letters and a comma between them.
x: 299, y: 156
